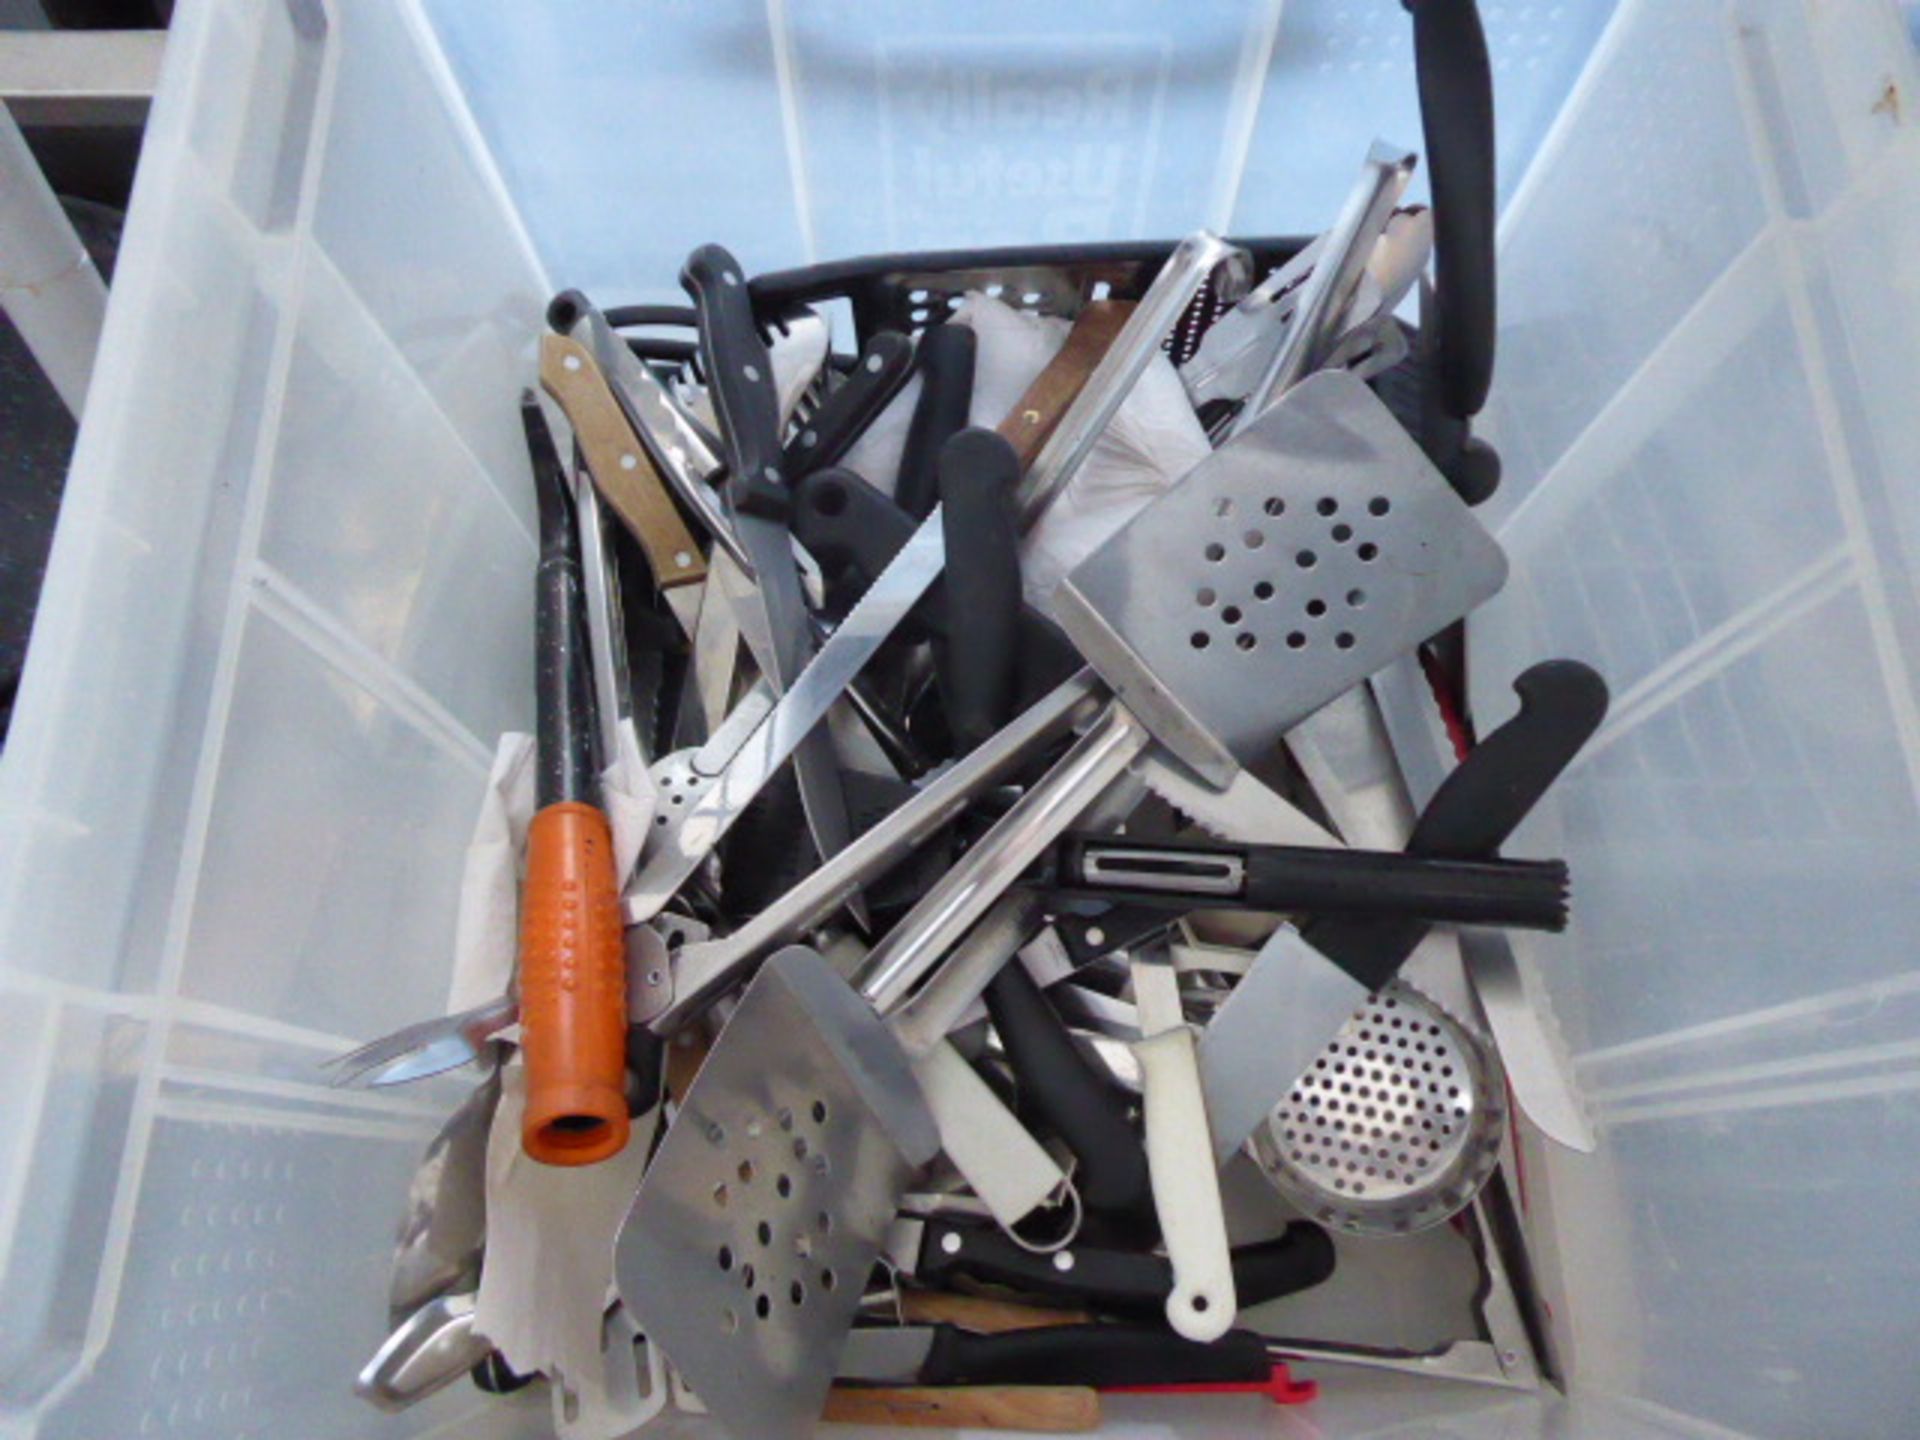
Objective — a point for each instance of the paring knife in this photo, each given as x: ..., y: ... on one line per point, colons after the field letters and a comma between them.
x: 624, y: 474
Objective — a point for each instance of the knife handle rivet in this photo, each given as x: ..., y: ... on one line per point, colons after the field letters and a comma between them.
x: 682, y: 559
x: 1096, y: 936
x: 1063, y: 1261
x: 629, y: 462
x: 950, y: 1243
x: 571, y: 362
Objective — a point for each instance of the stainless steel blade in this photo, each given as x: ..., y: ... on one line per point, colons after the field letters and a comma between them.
x: 697, y: 811
x: 891, y: 1354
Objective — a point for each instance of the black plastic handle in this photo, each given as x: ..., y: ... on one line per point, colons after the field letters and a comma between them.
x: 1456, y: 114
x: 945, y: 363
x: 1530, y: 894
x: 1479, y: 805
x: 843, y: 417
x: 565, y: 763
x: 854, y: 532
x: 1118, y: 1281
x: 1080, y: 1104
x: 739, y: 381
x: 1097, y: 1355
x: 979, y: 661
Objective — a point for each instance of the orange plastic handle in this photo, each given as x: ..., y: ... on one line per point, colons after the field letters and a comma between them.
x: 573, y: 990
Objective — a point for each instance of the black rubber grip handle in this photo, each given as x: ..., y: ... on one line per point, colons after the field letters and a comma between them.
x: 843, y: 417
x: 945, y: 363
x: 1479, y: 805
x: 1097, y: 1355
x: 739, y: 381
x: 1530, y: 894
x: 1118, y: 1282
x: 854, y: 532
x: 1456, y: 114
x: 1081, y: 1105
x: 565, y: 766
x: 979, y: 661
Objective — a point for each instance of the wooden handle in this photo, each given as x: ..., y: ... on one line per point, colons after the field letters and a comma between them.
x: 573, y: 990
x: 1043, y: 1409
x: 981, y: 1315
x: 622, y: 471
x: 1030, y: 422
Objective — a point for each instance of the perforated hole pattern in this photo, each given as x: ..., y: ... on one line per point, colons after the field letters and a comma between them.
x: 781, y: 1231
x: 1394, y: 1126
x: 1285, y: 534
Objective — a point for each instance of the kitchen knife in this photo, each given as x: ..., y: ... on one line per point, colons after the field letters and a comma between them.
x: 830, y: 431
x: 1347, y: 958
x: 945, y: 361
x: 1135, y: 1284
x: 1074, y: 1100
x: 624, y: 474
x: 740, y: 381
x: 1477, y: 806
x: 1097, y: 1355
x: 1033, y: 419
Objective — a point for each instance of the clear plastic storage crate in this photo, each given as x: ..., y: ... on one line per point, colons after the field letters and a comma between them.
x: 289, y: 609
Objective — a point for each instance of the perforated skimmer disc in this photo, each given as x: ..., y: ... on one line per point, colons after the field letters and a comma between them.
x: 1395, y: 1127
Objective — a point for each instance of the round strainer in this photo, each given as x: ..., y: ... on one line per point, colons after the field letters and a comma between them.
x: 1395, y: 1127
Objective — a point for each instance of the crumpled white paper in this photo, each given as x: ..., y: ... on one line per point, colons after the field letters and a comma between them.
x: 548, y: 1274
x: 1154, y: 439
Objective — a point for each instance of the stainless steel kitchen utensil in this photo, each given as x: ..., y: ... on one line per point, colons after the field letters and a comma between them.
x: 749, y: 1242
x: 1196, y: 259
x: 1293, y: 562
x: 430, y: 1349
x: 705, y: 969
x: 1395, y: 1127
x: 443, y: 1230
x: 698, y: 805
x: 416, y: 1051
x: 1323, y: 298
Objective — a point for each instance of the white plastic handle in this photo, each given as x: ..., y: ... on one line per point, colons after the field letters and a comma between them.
x: 1186, y: 1187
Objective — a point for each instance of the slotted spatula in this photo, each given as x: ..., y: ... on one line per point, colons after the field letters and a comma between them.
x: 1293, y: 562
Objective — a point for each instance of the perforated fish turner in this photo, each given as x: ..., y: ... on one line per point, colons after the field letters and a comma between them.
x: 1300, y: 557
x: 749, y: 1243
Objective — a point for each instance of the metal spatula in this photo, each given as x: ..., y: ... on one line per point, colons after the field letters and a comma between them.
x: 751, y: 1237
x: 1292, y: 563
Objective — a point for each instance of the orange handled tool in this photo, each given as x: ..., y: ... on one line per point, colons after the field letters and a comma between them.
x: 573, y: 977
